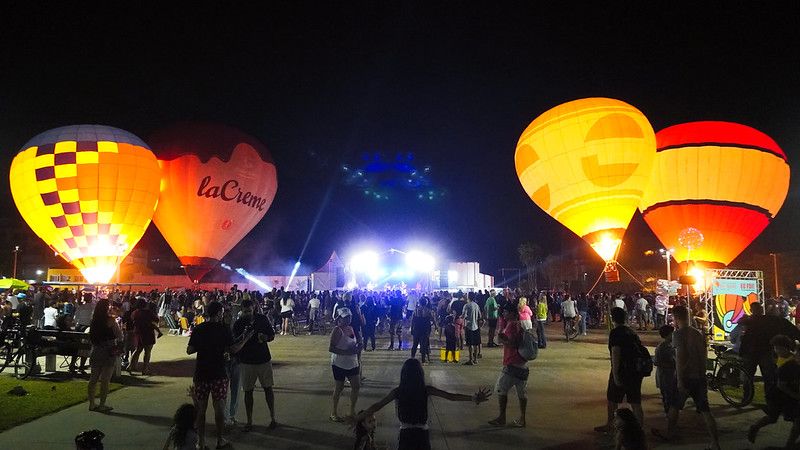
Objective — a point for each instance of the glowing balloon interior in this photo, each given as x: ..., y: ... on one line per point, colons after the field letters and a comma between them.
x: 586, y: 163
x: 89, y: 191
x: 217, y: 183
x: 724, y: 179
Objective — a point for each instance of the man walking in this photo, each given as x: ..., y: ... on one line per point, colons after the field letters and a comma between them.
x: 515, y: 370
x: 759, y: 329
x: 568, y: 313
x: 491, y: 309
x: 210, y: 340
x: 623, y: 381
x: 690, y: 371
x: 641, y: 312
x: 255, y: 360
x: 472, y: 314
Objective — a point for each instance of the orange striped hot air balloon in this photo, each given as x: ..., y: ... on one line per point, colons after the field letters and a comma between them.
x: 586, y: 163
x: 89, y: 191
x: 724, y: 179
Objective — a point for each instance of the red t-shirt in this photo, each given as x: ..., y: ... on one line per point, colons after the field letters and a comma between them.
x: 513, y: 332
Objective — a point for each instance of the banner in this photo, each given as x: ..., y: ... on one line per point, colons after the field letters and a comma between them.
x: 732, y: 300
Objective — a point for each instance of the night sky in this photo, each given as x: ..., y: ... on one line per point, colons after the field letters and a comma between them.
x: 450, y: 83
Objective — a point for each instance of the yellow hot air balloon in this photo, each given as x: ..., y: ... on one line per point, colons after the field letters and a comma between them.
x: 89, y: 191
x: 586, y: 163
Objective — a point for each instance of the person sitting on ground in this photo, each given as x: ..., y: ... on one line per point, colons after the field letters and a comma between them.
x: 784, y: 399
x: 411, y: 398
x: 629, y: 433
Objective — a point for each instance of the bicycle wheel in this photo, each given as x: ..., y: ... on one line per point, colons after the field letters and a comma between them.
x: 6, y: 355
x: 734, y: 384
x: 571, y: 331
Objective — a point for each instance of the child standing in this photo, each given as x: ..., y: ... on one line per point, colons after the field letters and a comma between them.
x: 459, y: 323
x: 450, y: 339
x: 784, y: 398
x: 665, y: 366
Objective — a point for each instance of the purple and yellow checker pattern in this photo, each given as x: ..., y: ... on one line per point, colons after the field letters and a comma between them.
x: 89, y: 191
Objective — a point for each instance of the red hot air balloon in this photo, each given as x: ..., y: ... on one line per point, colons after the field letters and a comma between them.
x: 724, y: 179
x: 217, y: 183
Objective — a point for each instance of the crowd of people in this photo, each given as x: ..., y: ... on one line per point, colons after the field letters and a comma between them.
x: 230, y: 332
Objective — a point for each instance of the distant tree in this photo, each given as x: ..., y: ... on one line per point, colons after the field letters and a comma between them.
x: 530, y: 254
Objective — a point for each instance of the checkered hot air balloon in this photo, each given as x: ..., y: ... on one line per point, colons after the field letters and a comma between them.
x: 89, y: 191
x: 725, y: 179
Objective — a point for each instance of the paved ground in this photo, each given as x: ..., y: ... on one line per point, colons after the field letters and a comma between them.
x: 567, y: 398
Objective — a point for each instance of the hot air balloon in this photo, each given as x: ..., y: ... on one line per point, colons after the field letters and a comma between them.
x: 724, y: 179
x: 586, y: 163
x: 89, y: 191
x: 217, y: 183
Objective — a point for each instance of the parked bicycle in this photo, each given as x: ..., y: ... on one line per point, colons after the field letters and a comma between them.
x: 726, y: 374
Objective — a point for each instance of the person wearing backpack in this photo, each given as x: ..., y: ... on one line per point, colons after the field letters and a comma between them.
x: 515, y: 370
x: 690, y: 373
x: 624, y: 379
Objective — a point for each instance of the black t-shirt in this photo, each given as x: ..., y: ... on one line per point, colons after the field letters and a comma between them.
x: 758, y: 332
x: 254, y: 352
x: 396, y: 309
x: 458, y: 306
x: 627, y: 340
x: 210, y: 339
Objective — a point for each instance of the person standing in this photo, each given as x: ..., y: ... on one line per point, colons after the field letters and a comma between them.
x: 472, y: 332
x: 492, y: 312
x: 370, y: 313
x: 145, y: 325
x: 541, y: 319
x: 623, y: 381
x: 690, y: 371
x: 421, y: 322
x: 287, y: 310
x: 255, y: 360
x: 396, y: 321
x: 515, y: 371
x: 105, y: 337
x: 641, y: 312
x: 525, y: 314
x: 583, y: 311
x: 344, y: 349
x: 755, y: 348
x: 313, y: 312
x: 661, y: 305
x: 210, y: 340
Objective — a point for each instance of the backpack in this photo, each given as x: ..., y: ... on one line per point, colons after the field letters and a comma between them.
x: 528, y: 346
x: 643, y: 362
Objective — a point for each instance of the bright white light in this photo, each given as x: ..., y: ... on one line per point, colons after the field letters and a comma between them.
x: 364, y: 262
x: 607, y: 247
x: 700, y: 278
x: 374, y: 273
x: 294, y: 272
x: 225, y: 266
x: 452, y: 275
x: 99, y: 274
x: 39, y: 272
x: 351, y: 285
x: 255, y: 280
x: 420, y: 261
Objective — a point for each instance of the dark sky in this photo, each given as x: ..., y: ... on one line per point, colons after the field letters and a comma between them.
x: 452, y: 83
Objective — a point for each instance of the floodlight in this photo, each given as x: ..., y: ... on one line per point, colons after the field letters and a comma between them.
x: 420, y: 261
x: 452, y: 275
x: 364, y: 261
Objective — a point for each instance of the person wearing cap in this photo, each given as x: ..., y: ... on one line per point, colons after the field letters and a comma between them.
x: 344, y: 349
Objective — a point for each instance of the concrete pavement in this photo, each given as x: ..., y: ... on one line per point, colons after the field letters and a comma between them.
x: 566, y: 391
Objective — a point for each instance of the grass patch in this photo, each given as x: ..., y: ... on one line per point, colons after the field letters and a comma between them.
x: 44, y: 397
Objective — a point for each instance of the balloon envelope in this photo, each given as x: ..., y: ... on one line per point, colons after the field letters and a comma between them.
x: 725, y: 179
x: 586, y: 163
x: 89, y: 191
x: 217, y: 183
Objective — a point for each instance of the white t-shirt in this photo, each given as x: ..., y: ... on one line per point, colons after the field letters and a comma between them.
x: 287, y: 305
x: 50, y: 315
x: 411, y: 302
x: 662, y: 303
x: 619, y: 303
x: 313, y: 303
x: 568, y: 308
x: 641, y: 304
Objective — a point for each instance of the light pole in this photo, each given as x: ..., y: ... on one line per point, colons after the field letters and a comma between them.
x: 775, y: 270
x: 16, y: 251
x: 667, y: 254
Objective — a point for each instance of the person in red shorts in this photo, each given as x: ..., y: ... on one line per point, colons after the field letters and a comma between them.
x: 210, y: 340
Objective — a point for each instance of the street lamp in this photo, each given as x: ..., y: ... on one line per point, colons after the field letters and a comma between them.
x: 667, y: 254
x: 16, y: 251
x: 775, y: 271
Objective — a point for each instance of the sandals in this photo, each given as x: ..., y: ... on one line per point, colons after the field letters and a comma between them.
x: 335, y: 418
x: 497, y: 422
x: 517, y: 424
